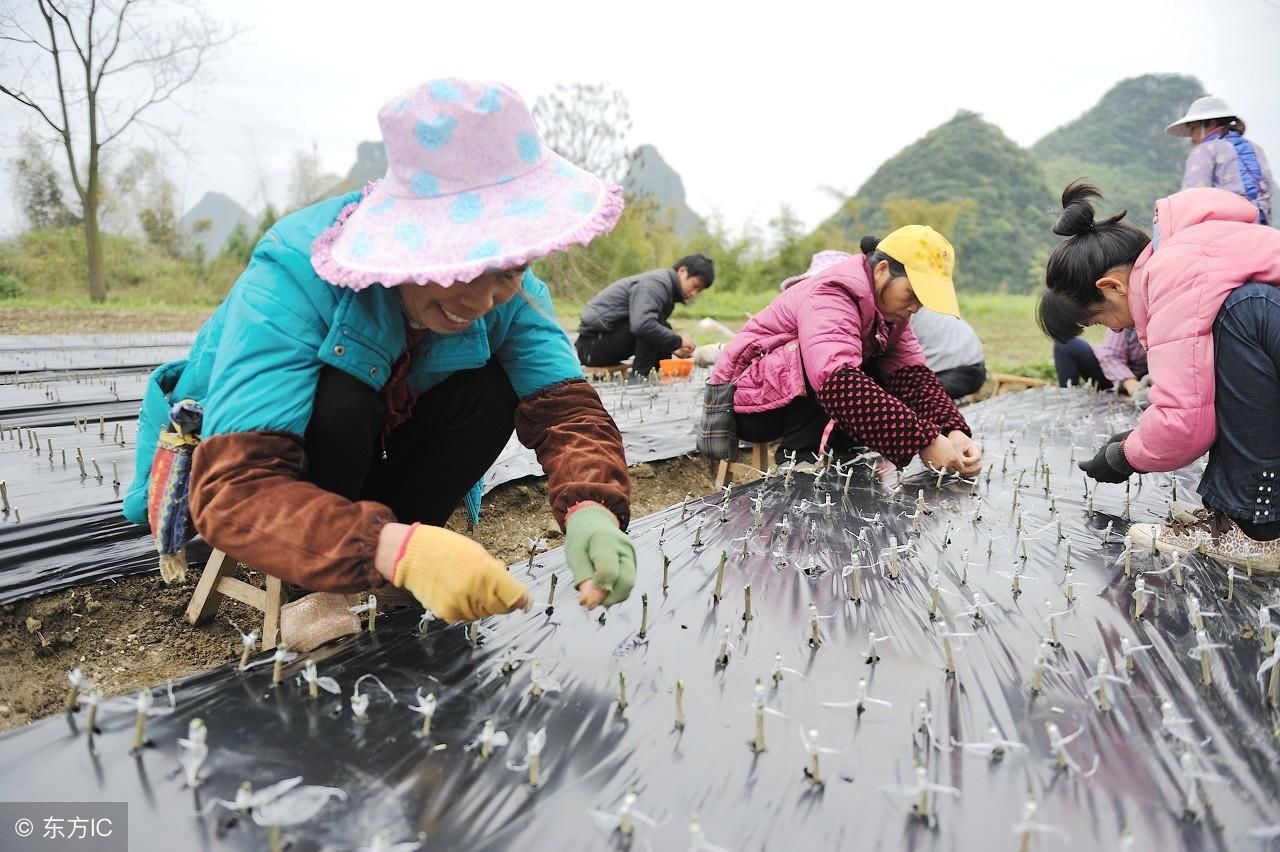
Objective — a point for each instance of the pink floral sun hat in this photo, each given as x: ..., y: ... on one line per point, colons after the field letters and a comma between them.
x: 469, y: 187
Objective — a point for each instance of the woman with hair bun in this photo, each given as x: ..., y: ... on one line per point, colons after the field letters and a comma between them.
x: 832, y: 361
x: 1203, y: 296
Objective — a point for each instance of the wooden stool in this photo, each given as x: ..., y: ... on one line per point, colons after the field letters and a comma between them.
x: 759, y: 461
x: 607, y: 372
x: 216, y: 583
x: 1006, y: 381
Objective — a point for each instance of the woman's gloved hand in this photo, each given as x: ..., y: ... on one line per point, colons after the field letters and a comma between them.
x: 455, y: 577
x: 600, y: 555
x: 1109, y: 463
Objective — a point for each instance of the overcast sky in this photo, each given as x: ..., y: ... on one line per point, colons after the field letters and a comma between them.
x: 754, y: 104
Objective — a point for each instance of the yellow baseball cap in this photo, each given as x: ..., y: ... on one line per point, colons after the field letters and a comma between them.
x: 929, y: 260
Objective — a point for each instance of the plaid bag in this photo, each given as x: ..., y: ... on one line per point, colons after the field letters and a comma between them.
x: 718, y: 432
x: 168, y: 487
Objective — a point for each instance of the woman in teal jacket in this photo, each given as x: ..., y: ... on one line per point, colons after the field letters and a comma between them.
x: 373, y: 359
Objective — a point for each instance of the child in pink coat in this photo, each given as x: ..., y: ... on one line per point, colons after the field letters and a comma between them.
x: 1204, y: 298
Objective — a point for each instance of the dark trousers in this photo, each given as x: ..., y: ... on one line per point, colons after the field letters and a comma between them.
x: 604, y: 350
x: 422, y: 468
x: 1076, y: 364
x: 799, y: 424
x: 962, y: 381
x: 1242, y: 478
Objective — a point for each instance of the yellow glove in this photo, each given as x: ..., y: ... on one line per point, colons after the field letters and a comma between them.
x: 455, y: 577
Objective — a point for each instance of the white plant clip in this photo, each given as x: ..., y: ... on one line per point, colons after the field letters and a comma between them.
x: 425, y: 707
x: 248, y: 642
x: 812, y: 748
x: 1027, y: 826
x: 697, y: 840
x: 280, y: 804
x: 489, y: 739
x: 1058, y: 745
x: 859, y: 703
x: 920, y: 791
x: 1271, y: 664
x: 872, y: 655
x: 1178, y: 727
x: 540, y: 683
x: 975, y: 612
x: 1201, y: 650
x: 993, y: 747
x: 1098, y: 683
x: 370, y: 606
x: 360, y: 701
x: 1194, y: 778
x: 778, y: 670
x: 926, y: 726
x: 534, y: 743
x: 144, y: 706
x: 195, y: 749
x: 77, y: 683
x: 945, y: 634
x: 1126, y: 654
x: 624, y: 819
x: 315, y: 683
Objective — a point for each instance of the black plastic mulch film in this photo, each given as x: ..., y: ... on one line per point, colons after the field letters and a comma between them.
x: 63, y: 525
x: 936, y: 760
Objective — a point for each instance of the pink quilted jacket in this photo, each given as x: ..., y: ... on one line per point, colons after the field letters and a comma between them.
x: 821, y: 322
x: 1206, y: 245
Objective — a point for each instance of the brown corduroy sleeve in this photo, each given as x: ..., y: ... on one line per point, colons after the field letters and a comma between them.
x: 249, y: 499
x: 579, y: 447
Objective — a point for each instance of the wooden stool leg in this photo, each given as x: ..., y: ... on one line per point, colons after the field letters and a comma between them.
x: 204, y: 603
x: 760, y: 456
x: 271, y: 611
x: 724, y: 474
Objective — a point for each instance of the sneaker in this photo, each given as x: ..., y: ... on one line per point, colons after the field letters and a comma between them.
x: 1217, y: 537
x: 1183, y: 512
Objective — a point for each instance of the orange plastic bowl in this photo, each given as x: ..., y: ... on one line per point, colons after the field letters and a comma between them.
x: 675, y: 367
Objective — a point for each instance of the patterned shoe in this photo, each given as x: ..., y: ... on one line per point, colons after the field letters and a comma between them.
x: 1180, y: 511
x: 1217, y: 537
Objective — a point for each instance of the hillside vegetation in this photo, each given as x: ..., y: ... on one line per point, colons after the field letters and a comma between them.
x: 1121, y: 145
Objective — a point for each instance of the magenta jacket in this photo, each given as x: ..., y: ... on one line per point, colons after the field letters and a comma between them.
x: 1206, y: 244
x: 822, y: 321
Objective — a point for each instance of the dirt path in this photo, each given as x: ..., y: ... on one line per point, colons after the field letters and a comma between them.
x: 130, y: 633
x: 32, y: 319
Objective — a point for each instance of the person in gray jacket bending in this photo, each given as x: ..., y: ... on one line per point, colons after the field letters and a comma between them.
x: 952, y: 350
x: 629, y: 317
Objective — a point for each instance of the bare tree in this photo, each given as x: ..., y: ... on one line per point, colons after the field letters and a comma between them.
x: 308, y: 181
x: 93, y: 69
x: 588, y: 124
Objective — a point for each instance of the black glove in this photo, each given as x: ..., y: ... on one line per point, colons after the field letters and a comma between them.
x: 1109, y: 465
x: 1119, y: 436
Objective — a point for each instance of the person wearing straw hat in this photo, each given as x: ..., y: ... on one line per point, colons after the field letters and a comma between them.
x: 377, y: 353
x: 1221, y: 157
x: 832, y: 361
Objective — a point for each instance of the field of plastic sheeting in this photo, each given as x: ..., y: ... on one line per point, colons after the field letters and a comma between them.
x: 841, y: 661
x: 68, y: 418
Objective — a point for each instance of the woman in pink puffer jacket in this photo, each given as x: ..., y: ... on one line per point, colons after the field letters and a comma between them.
x: 833, y: 361
x: 1204, y: 300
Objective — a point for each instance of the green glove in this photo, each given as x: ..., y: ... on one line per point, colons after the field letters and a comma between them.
x: 598, y: 551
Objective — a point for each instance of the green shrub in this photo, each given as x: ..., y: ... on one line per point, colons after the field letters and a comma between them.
x: 10, y: 286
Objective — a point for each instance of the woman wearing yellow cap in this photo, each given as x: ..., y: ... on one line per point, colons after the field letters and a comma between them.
x: 832, y: 361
